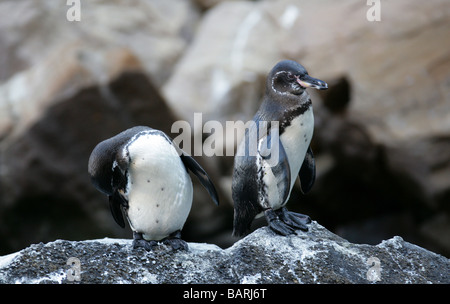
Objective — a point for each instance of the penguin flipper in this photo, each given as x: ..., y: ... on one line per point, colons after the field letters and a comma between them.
x: 201, y: 174
x: 245, y: 193
x: 115, y: 202
x: 307, y: 172
x: 276, y: 157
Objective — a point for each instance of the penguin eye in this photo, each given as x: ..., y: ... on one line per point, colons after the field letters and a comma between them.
x: 290, y: 77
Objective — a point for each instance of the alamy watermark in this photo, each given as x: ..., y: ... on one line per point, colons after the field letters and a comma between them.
x: 74, y: 11
x: 256, y: 143
x: 74, y: 273
x: 374, y: 12
x: 374, y: 272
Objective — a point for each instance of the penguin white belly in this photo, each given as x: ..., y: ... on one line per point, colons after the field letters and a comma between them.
x: 159, y: 188
x: 296, y: 139
x: 271, y: 198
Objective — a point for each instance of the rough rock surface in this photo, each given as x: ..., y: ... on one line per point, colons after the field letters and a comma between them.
x: 317, y: 256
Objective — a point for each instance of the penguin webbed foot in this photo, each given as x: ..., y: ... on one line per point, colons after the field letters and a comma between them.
x: 295, y: 220
x: 176, y: 244
x: 276, y: 224
x: 147, y: 245
x: 285, y: 222
x: 174, y: 241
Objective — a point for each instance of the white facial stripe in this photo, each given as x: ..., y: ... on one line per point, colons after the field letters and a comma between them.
x: 273, y: 83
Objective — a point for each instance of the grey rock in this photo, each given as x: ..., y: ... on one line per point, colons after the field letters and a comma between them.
x: 155, y: 31
x: 317, y: 256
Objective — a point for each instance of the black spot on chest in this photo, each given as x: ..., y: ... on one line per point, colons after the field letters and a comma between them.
x: 291, y: 114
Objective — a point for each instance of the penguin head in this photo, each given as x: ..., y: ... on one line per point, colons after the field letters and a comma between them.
x: 290, y: 78
x: 100, y: 166
x: 105, y: 154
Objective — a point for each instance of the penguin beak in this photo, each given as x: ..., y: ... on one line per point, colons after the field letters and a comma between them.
x: 307, y: 81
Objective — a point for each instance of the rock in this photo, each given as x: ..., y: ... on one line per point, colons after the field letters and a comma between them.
x: 207, y: 4
x: 156, y: 32
x: 317, y: 256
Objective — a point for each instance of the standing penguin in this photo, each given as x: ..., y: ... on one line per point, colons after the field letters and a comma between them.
x: 146, y: 176
x: 260, y: 184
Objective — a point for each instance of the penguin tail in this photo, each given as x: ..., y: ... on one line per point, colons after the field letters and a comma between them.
x: 239, y: 230
x: 243, y: 218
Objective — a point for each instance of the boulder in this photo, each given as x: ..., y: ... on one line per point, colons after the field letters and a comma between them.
x: 317, y: 256
x: 156, y: 32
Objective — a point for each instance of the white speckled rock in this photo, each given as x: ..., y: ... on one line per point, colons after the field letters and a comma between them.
x: 317, y: 256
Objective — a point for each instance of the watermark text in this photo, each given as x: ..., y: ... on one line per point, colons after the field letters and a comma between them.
x: 262, y: 138
x: 74, y: 11
x: 374, y: 12
x: 74, y: 273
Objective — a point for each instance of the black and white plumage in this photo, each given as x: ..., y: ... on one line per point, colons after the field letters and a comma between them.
x: 260, y: 184
x: 146, y: 177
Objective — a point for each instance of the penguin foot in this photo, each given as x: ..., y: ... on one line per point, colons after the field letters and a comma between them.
x: 302, y: 217
x: 276, y: 224
x: 176, y: 244
x: 174, y: 240
x: 139, y: 241
x: 295, y: 220
x: 147, y: 245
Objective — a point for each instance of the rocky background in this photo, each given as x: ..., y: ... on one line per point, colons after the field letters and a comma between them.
x: 382, y: 135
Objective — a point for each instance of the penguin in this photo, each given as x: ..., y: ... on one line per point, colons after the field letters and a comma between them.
x: 262, y: 187
x: 145, y: 177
